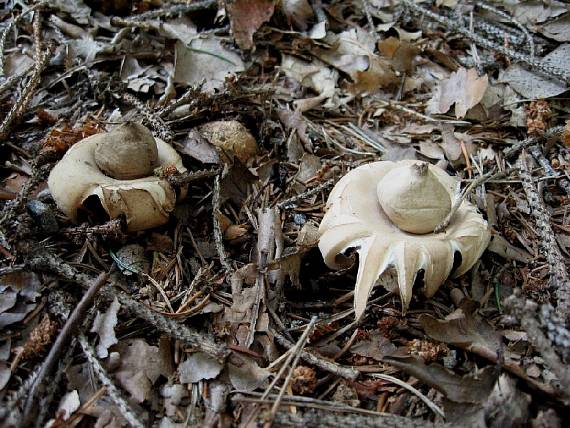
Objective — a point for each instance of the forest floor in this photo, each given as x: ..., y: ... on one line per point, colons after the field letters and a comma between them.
x: 221, y: 311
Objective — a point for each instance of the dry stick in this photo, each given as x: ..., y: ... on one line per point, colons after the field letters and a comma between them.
x: 297, y: 352
x: 453, y: 25
x: 22, y: 102
x: 434, y: 408
x: 112, y: 391
x: 290, y: 203
x: 323, y: 364
x: 558, y: 274
x: 67, y: 332
x: 49, y: 396
x: 192, y: 92
x: 335, y: 410
x: 562, y: 182
x: 506, y: 16
x: 266, y: 234
x: 491, y: 175
x: 525, y: 311
x: 8, y: 28
x: 174, y: 10
x: 11, y: 81
x: 182, y: 178
x: 161, y: 129
x: 328, y: 417
x: 203, y: 342
x: 531, y: 141
x: 218, y: 237
x: 3, y: 39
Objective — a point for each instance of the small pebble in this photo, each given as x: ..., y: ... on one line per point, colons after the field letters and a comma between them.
x: 299, y: 219
x: 43, y: 216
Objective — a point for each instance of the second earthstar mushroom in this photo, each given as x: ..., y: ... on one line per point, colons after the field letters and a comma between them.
x: 117, y: 168
x: 387, y: 211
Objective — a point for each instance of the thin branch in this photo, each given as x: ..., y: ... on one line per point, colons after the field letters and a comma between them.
x: 562, y: 182
x: 491, y: 175
x: 218, y: 236
x: 68, y: 331
x: 558, y: 274
x: 297, y: 353
x: 318, y: 361
x: 531, y: 141
x: 161, y: 129
x: 112, y: 391
x: 454, y: 25
x: 434, y: 408
x: 21, y: 104
x: 290, y: 203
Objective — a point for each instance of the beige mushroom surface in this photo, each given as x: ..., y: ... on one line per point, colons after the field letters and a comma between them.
x: 387, y: 212
x: 131, y: 151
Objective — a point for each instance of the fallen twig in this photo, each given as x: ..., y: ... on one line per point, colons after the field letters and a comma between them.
x: 111, y: 390
x: 531, y: 141
x: 296, y: 353
x: 562, y: 182
x: 491, y: 175
x: 70, y: 328
x: 331, y: 414
x: 558, y: 274
x: 161, y: 129
x: 525, y: 310
x: 22, y: 102
x: 454, y: 25
x: 202, y: 341
x: 218, y: 236
x: 317, y: 361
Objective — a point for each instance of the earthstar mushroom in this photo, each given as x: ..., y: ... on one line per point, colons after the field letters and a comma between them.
x: 117, y: 168
x: 387, y: 211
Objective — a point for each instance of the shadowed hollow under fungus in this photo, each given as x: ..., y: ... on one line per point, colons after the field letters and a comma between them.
x: 117, y: 168
x: 388, y: 211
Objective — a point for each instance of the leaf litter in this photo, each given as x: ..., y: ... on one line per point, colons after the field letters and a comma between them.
x: 207, y: 319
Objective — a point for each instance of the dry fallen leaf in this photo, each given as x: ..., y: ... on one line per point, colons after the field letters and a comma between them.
x: 104, y: 326
x: 245, y: 374
x: 141, y: 365
x: 298, y: 12
x: 246, y: 16
x: 316, y: 76
x: 464, y: 329
x: 205, y: 61
x: 464, y: 88
x: 400, y: 53
x: 352, y: 52
x: 197, y: 367
x: 535, y: 85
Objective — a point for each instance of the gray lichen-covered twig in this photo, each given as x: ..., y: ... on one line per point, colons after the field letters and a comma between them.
x: 456, y: 25
x: 111, y: 390
x: 535, y: 324
x: 562, y: 182
x: 68, y: 331
x: 558, y: 274
x: 204, y: 342
x: 531, y: 141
